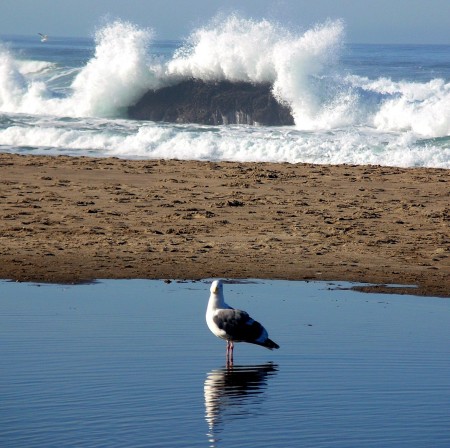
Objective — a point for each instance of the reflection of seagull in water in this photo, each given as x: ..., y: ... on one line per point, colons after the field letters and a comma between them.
x: 231, y: 389
x: 233, y: 325
x: 44, y: 37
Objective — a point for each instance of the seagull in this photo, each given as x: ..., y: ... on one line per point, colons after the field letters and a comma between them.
x: 233, y: 325
x: 44, y: 37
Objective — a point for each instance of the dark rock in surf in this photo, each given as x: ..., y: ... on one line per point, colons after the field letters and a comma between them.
x: 213, y: 103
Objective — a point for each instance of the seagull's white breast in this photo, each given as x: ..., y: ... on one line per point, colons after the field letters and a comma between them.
x: 212, y: 325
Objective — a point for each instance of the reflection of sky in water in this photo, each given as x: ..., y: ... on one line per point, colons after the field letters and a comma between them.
x: 132, y: 363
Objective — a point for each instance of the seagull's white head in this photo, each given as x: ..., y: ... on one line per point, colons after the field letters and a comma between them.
x: 217, y: 287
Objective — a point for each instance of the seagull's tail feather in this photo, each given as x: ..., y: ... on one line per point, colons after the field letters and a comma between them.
x: 268, y: 343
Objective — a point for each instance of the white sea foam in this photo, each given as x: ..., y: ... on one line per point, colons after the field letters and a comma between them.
x: 235, y: 49
x: 129, y: 139
x: 340, y: 117
x: 239, y: 49
x: 28, y: 67
x: 118, y: 74
x: 303, y: 68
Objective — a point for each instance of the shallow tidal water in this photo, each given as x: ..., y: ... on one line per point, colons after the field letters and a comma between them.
x: 131, y: 363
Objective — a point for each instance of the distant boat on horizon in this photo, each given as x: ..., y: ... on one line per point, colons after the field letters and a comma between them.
x: 44, y: 37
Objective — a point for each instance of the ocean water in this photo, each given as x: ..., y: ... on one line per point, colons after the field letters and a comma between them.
x: 356, y: 104
x: 132, y: 363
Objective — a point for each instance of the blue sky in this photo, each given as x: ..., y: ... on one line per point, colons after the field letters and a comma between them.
x: 367, y: 21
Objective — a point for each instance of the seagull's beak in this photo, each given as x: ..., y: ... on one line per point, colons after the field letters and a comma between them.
x: 215, y: 288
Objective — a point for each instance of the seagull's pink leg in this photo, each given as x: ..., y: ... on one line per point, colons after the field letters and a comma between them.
x: 229, y: 353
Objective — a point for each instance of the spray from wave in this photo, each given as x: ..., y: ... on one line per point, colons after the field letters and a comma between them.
x: 302, y: 67
x: 239, y: 49
x: 305, y: 72
x: 117, y: 75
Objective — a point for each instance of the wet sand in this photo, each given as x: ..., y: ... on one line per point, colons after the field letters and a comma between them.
x: 73, y: 219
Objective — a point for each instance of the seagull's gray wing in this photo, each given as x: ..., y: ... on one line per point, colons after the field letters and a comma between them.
x: 238, y: 325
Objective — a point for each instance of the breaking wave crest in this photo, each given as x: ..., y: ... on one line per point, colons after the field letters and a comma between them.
x: 340, y: 117
x: 302, y: 67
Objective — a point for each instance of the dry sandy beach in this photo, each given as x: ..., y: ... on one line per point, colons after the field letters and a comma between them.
x: 71, y: 219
